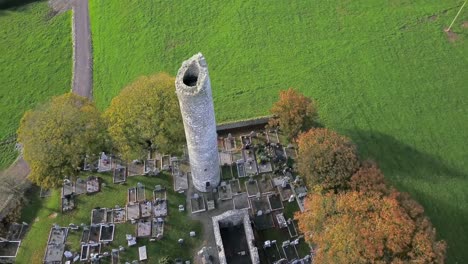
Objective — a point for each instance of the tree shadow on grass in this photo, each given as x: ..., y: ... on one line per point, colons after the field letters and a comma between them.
x: 15, y: 4
x: 397, y: 159
x: 449, y: 221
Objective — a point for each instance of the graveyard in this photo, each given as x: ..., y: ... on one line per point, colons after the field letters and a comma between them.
x: 114, y: 214
x: 99, y: 222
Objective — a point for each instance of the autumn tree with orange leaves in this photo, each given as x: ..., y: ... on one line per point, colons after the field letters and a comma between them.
x: 293, y: 113
x: 326, y: 158
x: 369, y: 227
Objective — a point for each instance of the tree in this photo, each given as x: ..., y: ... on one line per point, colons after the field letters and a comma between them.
x: 369, y: 178
x: 293, y: 113
x: 357, y: 227
x: 146, y: 116
x: 326, y: 158
x: 56, y: 137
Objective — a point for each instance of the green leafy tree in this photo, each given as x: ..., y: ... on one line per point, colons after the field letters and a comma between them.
x: 326, y: 158
x: 56, y: 137
x: 146, y: 116
x: 293, y: 113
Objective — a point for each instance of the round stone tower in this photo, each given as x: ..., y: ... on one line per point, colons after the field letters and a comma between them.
x: 193, y: 89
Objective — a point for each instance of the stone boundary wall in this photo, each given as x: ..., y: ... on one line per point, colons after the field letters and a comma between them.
x: 262, y: 120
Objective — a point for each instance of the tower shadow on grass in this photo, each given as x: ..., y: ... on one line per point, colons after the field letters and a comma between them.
x: 397, y: 158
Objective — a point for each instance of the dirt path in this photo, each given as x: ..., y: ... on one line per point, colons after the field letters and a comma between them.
x: 82, y: 51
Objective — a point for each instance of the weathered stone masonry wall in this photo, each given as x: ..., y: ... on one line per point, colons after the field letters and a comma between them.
x: 193, y: 89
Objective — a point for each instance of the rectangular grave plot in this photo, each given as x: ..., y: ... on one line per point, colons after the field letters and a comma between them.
x: 181, y: 182
x: 98, y: 216
x: 291, y: 228
x: 158, y: 228
x: 241, y: 169
x: 68, y: 203
x: 275, y: 202
x: 166, y: 162
x: 80, y: 186
x: 132, y: 195
x: 252, y: 188
x: 85, y: 235
x: 272, y: 136
x: 92, y: 185
x: 54, y: 253
x: 133, y: 211
x: 241, y: 201
x: 94, y: 233
x: 9, y: 249
x: 16, y: 231
x: 159, y: 194
x: 229, y: 143
x: 135, y: 168
x: 226, y: 172
x: 260, y: 204
x: 119, y: 216
x: 84, y: 254
x: 265, y: 184
x: 285, y: 192
x: 235, y: 187
x: 224, y: 191
x: 198, y: 204
x: 115, y: 256
x: 150, y: 166
x: 145, y: 209
x: 67, y: 189
x: 290, y: 252
x: 264, y: 221
x: 58, y: 235
x: 119, y: 175
x: 264, y: 167
x: 273, y: 253
x: 109, y: 216
x: 143, y: 228
x: 140, y: 193
x: 107, y: 233
x: 160, y: 208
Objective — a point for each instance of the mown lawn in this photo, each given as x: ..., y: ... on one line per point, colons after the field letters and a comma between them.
x: 35, y: 64
x: 45, y: 212
x: 382, y: 72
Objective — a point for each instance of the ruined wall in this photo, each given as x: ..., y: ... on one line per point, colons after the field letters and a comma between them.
x: 193, y: 89
x: 234, y: 217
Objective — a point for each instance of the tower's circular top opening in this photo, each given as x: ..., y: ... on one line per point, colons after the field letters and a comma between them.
x: 191, y: 75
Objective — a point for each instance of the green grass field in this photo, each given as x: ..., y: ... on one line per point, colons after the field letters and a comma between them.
x: 382, y: 72
x: 35, y: 64
x: 40, y: 212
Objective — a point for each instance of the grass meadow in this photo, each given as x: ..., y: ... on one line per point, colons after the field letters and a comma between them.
x: 43, y: 213
x: 35, y: 64
x: 382, y: 72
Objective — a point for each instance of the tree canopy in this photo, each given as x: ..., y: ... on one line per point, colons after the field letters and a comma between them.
x: 146, y: 116
x: 56, y: 137
x: 358, y: 227
x: 326, y: 158
x: 293, y: 113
